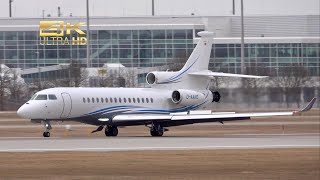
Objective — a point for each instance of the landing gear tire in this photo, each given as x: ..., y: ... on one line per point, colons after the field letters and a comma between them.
x: 156, y: 133
x: 156, y: 130
x: 111, y: 131
x: 46, y: 134
x: 47, y: 127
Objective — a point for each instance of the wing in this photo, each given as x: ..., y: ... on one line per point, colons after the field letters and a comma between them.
x: 211, y: 74
x: 197, y: 117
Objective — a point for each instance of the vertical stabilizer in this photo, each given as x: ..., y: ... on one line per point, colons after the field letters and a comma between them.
x: 199, y: 59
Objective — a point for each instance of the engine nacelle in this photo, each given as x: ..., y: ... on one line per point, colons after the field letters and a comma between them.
x: 157, y: 77
x: 187, y: 97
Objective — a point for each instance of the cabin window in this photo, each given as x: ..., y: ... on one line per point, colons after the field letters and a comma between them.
x: 106, y: 100
x: 41, y: 97
x: 138, y: 100
x: 97, y: 100
x: 88, y: 99
x: 52, y: 97
x: 119, y: 100
x: 147, y: 100
x: 33, y: 97
x: 92, y: 100
x: 142, y: 100
x: 115, y: 100
x: 84, y: 100
x: 134, y: 100
x: 151, y: 100
x: 124, y: 100
x: 101, y: 100
x: 129, y: 99
x: 110, y: 100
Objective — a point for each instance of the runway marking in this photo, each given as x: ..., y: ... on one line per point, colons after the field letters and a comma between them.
x: 4, y: 138
x: 162, y: 148
x: 14, y: 120
x: 280, y: 134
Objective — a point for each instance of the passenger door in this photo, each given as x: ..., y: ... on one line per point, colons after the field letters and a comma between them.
x: 67, y: 105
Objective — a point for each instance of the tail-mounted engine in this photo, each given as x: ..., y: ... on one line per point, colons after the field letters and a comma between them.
x: 187, y: 97
x: 157, y: 77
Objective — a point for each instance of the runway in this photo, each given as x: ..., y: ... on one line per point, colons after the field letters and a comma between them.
x: 244, y: 141
x: 316, y: 123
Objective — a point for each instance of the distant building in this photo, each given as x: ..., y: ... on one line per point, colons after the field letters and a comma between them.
x: 271, y: 42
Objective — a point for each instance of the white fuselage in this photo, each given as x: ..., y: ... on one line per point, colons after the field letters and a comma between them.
x: 92, y: 104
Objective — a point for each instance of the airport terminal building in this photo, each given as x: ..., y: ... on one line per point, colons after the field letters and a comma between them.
x: 143, y: 42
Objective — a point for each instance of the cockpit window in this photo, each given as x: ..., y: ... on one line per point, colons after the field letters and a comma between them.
x: 34, y: 96
x: 41, y: 97
x: 52, y: 97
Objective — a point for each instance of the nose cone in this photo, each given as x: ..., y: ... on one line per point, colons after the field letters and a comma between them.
x: 22, y: 111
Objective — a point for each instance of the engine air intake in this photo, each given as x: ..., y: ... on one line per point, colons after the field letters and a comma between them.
x: 151, y: 78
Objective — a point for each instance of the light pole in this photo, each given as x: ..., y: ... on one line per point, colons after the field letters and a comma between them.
x: 88, y: 37
x: 242, y: 41
x: 152, y: 4
x: 39, y: 71
x: 10, y: 14
x: 233, y: 8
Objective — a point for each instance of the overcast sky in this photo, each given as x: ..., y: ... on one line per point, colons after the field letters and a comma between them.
x: 33, y: 8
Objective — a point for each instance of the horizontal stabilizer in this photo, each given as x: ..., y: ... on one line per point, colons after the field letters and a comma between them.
x: 211, y: 74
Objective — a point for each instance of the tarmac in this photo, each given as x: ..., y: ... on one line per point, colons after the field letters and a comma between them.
x: 231, y: 141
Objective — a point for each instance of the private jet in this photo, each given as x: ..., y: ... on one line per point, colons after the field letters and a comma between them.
x: 173, y: 99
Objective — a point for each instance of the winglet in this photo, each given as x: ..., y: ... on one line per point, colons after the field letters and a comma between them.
x: 309, y: 106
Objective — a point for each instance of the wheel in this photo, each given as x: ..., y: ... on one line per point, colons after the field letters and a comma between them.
x: 114, y: 131
x: 157, y: 132
x: 153, y: 133
x: 111, y: 131
x: 160, y: 132
x: 46, y: 134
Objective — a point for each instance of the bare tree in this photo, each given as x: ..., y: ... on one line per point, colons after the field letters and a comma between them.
x: 76, y: 76
x: 291, y: 80
x: 5, y: 78
x: 177, y: 63
x: 106, y: 81
x: 251, y: 87
x: 74, y: 73
x: 17, y: 88
x: 130, y: 76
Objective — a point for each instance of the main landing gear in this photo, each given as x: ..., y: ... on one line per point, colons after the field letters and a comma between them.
x: 47, y: 127
x: 111, y: 131
x: 156, y: 130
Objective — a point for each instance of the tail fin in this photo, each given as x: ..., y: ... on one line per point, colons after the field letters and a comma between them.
x: 198, y: 61
x: 199, y: 58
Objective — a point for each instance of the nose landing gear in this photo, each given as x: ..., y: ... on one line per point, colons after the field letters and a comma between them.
x: 47, y: 127
x: 46, y: 134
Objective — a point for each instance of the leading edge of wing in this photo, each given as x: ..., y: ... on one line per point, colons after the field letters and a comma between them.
x: 211, y: 74
x: 154, y: 117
